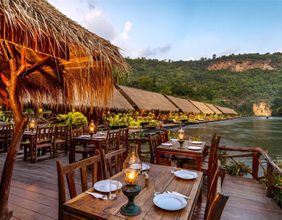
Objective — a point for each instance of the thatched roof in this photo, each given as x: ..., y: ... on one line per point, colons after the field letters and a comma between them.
x: 77, y: 62
x: 115, y: 102
x: 144, y: 100
x: 183, y: 104
x: 226, y: 110
x: 212, y: 107
x: 202, y: 107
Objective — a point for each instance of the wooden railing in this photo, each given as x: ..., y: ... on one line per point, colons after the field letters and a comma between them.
x: 255, y: 153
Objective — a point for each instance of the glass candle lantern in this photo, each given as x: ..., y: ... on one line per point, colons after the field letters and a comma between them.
x: 92, y: 128
x: 40, y: 110
x: 133, y: 161
x: 131, y: 176
x: 32, y: 124
x: 181, y: 136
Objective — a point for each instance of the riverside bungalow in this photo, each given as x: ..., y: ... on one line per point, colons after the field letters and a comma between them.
x: 202, y: 107
x: 212, y: 107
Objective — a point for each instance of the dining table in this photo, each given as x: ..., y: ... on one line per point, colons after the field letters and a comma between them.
x: 30, y: 136
x: 193, y: 149
x: 98, y: 140
x: 85, y: 206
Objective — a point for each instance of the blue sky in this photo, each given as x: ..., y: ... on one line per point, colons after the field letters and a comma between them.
x: 181, y: 29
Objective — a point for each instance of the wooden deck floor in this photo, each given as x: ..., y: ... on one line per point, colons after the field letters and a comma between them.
x: 34, y: 193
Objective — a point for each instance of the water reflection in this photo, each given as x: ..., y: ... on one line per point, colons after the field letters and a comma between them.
x: 243, y: 132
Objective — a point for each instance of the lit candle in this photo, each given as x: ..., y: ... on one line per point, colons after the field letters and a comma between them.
x: 32, y: 124
x: 92, y: 127
x: 40, y: 110
x: 131, y: 177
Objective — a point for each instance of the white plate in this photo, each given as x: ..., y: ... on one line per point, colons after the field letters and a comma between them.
x: 104, y: 186
x: 194, y: 148
x: 174, y: 139
x: 100, y: 137
x: 145, y: 166
x: 166, y: 144
x: 170, y: 202
x: 185, y: 174
x: 197, y: 142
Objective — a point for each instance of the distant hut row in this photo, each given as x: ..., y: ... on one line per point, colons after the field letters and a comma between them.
x: 130, y: 99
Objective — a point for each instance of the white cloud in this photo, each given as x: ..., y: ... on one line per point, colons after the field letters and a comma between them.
x: 126, y: 29
x: 148, y: 52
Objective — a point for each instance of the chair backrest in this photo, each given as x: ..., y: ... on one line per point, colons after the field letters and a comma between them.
x: 3, y: 131
x: 163, y: 136
x: 75, y: 132
x: 44, y: 135
x: 69, y: 171
x: 154, y: 141
x: 124, y: 138
x: 215, y: 187
x: 61, y: 132
x: 217, y: 206
x: 112, y: 141
x: 112, y: 162
x: 213, y: 160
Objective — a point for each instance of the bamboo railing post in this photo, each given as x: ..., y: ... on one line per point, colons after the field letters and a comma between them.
x: 255, y: 166
x: 270, y: 180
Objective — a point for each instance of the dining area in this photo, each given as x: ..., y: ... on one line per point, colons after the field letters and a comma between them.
x: 119, y: 185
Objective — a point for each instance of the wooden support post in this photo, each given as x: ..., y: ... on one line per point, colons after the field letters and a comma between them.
x: 255, y: 167
x: 270, y: 180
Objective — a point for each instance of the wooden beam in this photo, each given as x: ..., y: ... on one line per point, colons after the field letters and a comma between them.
x: 36, y: 66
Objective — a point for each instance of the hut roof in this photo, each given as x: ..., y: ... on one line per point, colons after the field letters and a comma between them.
x: 212, y: 107
x: 183, y: 104
x: 202, y: 107
x: 74, y: 61
x: 145, y: 100
x: 115, y: 102
x: 226, y: 110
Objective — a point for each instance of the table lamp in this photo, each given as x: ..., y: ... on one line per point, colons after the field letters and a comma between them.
x: 131, y: 166
x: 92, y: 128
x: 181, y: 137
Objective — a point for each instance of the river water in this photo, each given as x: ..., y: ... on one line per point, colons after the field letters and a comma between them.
x: 243, y: 132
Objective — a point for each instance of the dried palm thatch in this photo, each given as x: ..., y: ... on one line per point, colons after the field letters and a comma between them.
x: 212, y: 107
x: 202, y: 107
x: 183, y: 104
x: 63, y: 58
x: 226, y: 110
x: 145, y: 100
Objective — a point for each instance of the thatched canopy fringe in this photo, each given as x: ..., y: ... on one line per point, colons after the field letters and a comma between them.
x: 74, y: 62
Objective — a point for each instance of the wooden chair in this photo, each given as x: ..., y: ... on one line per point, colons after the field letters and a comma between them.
x: 83, y: 149
x: 124, y: 138
x: 44, y: 137
x: 4, y: 136
x: 163, y: 135
x: 216, y: 201
x: 112, y: 141
x: 61, y: 139
x: 69, y: 171
x: 112, y: 162
x: 154, y: 141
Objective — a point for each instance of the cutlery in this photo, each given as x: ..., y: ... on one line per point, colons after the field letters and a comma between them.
x: 179, y: 194
x: 97, y: 195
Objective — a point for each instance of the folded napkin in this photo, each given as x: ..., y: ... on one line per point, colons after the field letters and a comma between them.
x: 97, y: 195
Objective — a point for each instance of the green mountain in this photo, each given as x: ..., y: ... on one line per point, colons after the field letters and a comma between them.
x: 236, y: 81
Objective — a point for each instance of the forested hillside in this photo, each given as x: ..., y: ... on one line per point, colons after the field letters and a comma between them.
x: 235, y: 81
